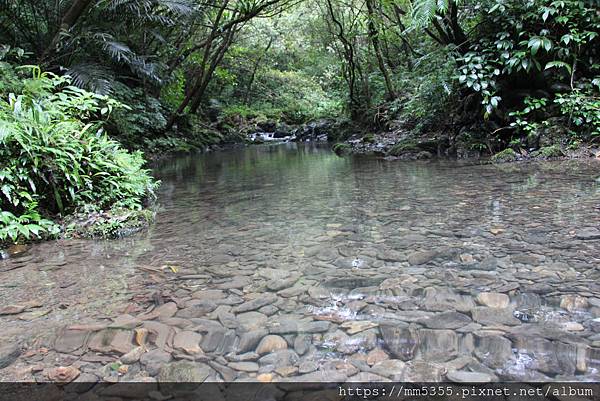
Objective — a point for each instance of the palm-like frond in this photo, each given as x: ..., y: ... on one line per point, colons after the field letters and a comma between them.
x: 423, y: 11
x: 92, y: 76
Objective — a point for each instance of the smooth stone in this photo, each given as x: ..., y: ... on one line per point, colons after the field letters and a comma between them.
x: 572, y: 326
x: 183, y: 372
x: 133, y: 356
x: 493, y: 299
x: 8, y: 354
x: 153, y: 360
x: 438, y: 345
x: 188, y: 342
x: 391, y: 368
x: 282, y: 357
x: 249, y: 340
x: 494, y: 316
x: 458, y: 376
x: 256, y: 303
x: 250, y: 321
x: 376, y: 355
x: 493, y: 350
x: 400, y: 340
x: 244, y: 366
x: 588, y: 234
x: 573, y: 303
x: 446, y: 320
x: 199, y: 309
x: 166, y: 310
x: 420, y: 258
x: 271, y: 343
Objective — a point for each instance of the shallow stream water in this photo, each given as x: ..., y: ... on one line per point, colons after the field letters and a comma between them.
x: 356, y: 268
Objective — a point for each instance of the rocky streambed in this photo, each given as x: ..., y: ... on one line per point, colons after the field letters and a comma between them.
x: 290, y: 264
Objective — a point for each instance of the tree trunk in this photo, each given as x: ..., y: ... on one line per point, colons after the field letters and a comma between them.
x: 68, y: 20
x: 374, y: 36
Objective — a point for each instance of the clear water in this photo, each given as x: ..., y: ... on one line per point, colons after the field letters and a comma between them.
x: 346, y: 231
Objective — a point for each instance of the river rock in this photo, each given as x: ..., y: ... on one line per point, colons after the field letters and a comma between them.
x: 12, y: 309
x: 271, y: 343
x: 588, y: 234
x: 153, y: 360
x: 188, y: 342
x: 376, y: 355
x: 438, y: 345
x: 446, y: 320
x: 133, y: 356
x: 250, y: 321
x: 400, y: 340
x: 391, y: 368
x: 244, y: 366
x: 183, y: 372
x: 573, y: 303
x: 279, y: 358
x: 8, y: 354
x: 494, y: 316
x: 250, y: 339
x: 256, y: 303
x: 166, y: 310
x: 458, y: 376
x: 200, y: 308
x: 422, y: 257
x: 493, y: 350
x: 62, y: 374
x: 493, y: 299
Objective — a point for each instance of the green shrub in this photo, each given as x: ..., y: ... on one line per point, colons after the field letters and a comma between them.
x: 55, y: 157
x: 548, y: 152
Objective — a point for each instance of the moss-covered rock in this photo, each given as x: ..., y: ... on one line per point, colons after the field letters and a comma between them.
x: 369, y: 138
x: 548, y: 152
x: 507, y: 155
x: 115, y: 223
x: 406, y: 146
x: 341, y: 148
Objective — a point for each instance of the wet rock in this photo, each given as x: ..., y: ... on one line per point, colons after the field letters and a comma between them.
x: 307, y: 367
x: 400, y: 340
x: 12, y: 309
x: 188, y: 342
x: 70, y: 341
x: 588, y: 234
x: 423, y: 371
x: 183, y: 372
x: 279, y: 358
x: 63, y: 374
x: 443, y: 299
x: 391, y: 368
x: 251, y: 321
x: 159, y: 334
x: 250, y: 339
x: 438, y: 345
x: 376, y: 355
x: 446, y: 320
x: 166, y: 310
x: 133, y: 356
x: 356, y: 326
x: 8, y: 354
x: 271, y: 343
x: 492, y: 350
x: 244, y: 366
x: 493, y: 299
x: 573, y: 303
x: 469, y: 377
x: 494, y: 316
x: 153, y: 360
x: 255, y: 303
x: 420, y: 258
x: 199, y: 309
x: 302, y: 343
x: 112, y: 340
x: 572, y: 326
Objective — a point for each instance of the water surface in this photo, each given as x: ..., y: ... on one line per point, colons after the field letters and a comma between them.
x: 374, y: 260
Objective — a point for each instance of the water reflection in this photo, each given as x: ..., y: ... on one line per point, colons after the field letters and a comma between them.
x: 408, y: 245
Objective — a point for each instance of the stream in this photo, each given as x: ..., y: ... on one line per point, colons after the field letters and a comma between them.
x: 277, y: 262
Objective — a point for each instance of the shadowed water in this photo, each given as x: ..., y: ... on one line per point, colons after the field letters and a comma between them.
x: 368, y: 268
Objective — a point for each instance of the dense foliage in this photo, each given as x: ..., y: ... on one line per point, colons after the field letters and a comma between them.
x: 456, y: 76
x: 55, y: 157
